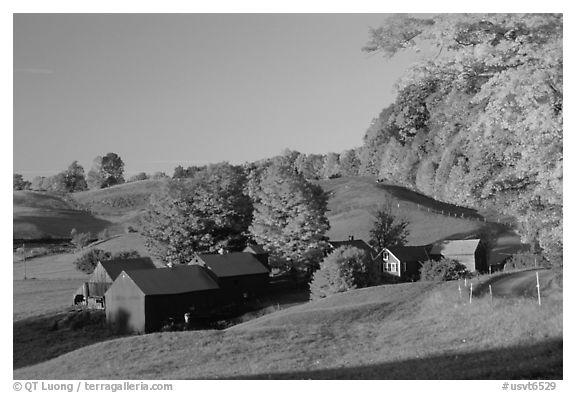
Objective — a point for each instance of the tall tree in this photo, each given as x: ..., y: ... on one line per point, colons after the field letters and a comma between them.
x: 289, y: 217
x: 388, y: 230
x: 106, y: 171
x: 203, y: 214
x: 19, y: 182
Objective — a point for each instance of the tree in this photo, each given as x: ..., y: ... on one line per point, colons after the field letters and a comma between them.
x: 344, y: 269
x: 388, y: 231
x: 106, y: 171
x: 289, y: 217
x: 19, y: 183
x: 203, y: 214
x: 478, y: 117
x: 349, y: 163
x: 331, y: 166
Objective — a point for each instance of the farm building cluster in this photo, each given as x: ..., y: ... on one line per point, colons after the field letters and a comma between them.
x: 139, y: 297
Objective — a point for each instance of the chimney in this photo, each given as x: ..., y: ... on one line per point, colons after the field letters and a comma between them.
x: 351, y: 237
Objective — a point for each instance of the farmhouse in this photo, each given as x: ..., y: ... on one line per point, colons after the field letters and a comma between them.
x: 145, y: 300
x: 239, y: 274
x: 91, y: 293
x: 405, y: 261
x: 471, y: 253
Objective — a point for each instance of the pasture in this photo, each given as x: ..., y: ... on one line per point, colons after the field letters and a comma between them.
x: 405, y: 331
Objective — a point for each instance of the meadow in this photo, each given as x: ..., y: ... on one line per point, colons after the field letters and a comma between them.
x: 404, y: 331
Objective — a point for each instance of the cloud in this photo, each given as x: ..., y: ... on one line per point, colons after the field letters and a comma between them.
x: 36, y: 71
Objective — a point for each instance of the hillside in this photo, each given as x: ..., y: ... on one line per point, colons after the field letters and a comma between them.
x: 122, y: 202
x: 354, y: 201
x: 38, y: 215
x: 406, y: 331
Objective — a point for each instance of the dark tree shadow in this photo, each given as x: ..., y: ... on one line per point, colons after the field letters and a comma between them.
x: 537, y: 361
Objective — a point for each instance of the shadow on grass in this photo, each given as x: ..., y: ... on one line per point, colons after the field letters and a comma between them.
x: 537, y: 361
x: 38, y: 339
x: 60, y: 223
x: 407, y: 195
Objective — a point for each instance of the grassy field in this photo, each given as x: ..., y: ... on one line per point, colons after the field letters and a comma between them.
x: 406, y: 331
x: 354, y: 202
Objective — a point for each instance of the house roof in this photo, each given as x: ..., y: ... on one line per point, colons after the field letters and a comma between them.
x: 410, y: 253
x: 456, y: 247
x: 171, y: 281
x: 255, y: 249
x: 233, y: 264
x: 115, y: 266
x: 361, y: 244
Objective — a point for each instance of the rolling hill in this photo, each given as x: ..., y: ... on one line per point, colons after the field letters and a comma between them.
x: 39, y: 215
x: 405, y: 331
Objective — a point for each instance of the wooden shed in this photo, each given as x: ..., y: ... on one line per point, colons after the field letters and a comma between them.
x: 239, y: 274
x: 405, y: 261
x: 471, y: 253
x: 104, y: 274
x: 143, y: 301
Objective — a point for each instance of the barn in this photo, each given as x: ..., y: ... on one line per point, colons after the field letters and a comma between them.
x: 91, y: 293
x: 471, y: 253
x: 143, y: 301
x: 405, y: 261
x: 259, y: 252
x: 239, y: 274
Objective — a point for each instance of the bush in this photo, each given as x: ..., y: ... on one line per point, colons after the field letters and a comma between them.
x: 88, y: 261
x: 104, y: 234
x: 443, y: 270
x: 80, y: 240
x: 344, y: 269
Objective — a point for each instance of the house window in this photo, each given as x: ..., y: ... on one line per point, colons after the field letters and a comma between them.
x: 385, y: 255
x: 403, y: 266
x: 392, y: 267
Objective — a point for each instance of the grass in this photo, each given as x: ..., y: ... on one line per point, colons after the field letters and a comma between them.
x: 405, y: 331
x: 38, y: 215
x: 33, y: 298
x: 355, y: 200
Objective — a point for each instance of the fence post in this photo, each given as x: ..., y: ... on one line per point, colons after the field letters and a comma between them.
x: 538, y: 289
x: 490, y: 289
x: 465, y: 283
x: 471, y: 293
x: 459, y: 290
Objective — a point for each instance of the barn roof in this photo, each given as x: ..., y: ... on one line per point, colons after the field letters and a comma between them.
x: 456, y: 247
x: 255, y: 249
x: 410, y: 253
x: 171, y: 281
x: 233, y: 264
x: 361, y: 244
x: 115, y: 266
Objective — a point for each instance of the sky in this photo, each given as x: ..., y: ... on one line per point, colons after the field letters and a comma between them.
x: 163, y: 90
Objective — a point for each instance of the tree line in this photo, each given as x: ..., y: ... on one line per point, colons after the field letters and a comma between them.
x: 106, y: 171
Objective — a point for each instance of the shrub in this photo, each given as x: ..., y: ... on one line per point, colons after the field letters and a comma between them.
x: 344, y: 269
x: 80, y: 240
x: 443, y: 270
x: 88, y: 261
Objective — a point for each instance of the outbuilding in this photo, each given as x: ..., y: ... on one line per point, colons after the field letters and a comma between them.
x: 143, y: 301
x: 471, y: 253
x: 240, y: 275
x: 91, y: 293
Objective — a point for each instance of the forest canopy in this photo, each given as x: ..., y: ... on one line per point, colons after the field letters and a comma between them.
x: 477, y: 120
